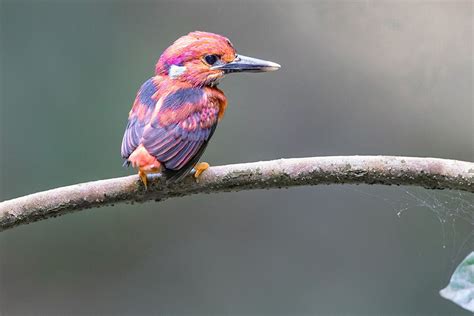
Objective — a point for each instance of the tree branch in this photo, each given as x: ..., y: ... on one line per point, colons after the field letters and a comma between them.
x: 430, y: 173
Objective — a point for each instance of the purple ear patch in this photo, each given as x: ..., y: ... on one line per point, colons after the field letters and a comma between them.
x: 168, y: 62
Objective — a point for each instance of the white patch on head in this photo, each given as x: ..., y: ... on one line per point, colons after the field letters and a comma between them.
x: 176, y: 71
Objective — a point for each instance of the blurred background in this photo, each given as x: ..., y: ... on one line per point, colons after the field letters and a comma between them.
x: 357, y: 77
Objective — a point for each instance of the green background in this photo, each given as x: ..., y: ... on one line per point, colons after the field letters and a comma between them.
x: 366, y: 77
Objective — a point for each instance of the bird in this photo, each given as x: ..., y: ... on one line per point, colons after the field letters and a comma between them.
x: 176, y: 112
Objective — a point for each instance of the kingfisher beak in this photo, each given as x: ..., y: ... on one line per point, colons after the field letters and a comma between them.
x: 247, y: 64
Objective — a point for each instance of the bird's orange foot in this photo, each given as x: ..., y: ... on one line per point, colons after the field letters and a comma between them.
x: 144, y: 178
x: 200, y: 168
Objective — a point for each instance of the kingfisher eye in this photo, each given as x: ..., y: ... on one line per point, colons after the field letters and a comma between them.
x: 211, y: 59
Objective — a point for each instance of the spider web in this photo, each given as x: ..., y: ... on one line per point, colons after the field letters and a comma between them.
x: 452, y: 209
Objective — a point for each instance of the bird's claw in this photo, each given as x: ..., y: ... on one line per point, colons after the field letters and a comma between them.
x: 144, y: 178
x: 200, y: 168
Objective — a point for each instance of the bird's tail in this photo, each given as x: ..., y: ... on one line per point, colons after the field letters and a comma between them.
x: 176, y: 175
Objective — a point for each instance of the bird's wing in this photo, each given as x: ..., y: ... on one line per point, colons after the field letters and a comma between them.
x: 179, y: 132
x: 139, y: 117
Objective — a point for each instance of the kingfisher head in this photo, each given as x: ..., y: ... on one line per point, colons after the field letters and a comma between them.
x: 202, y: 59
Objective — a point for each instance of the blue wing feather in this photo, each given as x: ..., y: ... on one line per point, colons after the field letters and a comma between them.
x: 178, y: 144
x: 139, y: 116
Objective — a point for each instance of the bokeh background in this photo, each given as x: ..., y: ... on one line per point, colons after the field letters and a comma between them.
x: 365, y: 77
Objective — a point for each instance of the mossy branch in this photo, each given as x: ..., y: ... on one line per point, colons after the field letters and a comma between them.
x: 430, y: 173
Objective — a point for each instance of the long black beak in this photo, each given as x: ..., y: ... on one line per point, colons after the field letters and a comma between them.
x: 247, y: 64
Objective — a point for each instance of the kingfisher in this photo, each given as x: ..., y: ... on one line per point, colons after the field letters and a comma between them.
x: 176, y: 112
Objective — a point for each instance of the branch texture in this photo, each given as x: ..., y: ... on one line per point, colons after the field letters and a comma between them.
x: 430, y: 173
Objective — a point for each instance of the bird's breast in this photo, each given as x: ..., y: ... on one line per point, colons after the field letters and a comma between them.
x: 216, y: 98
